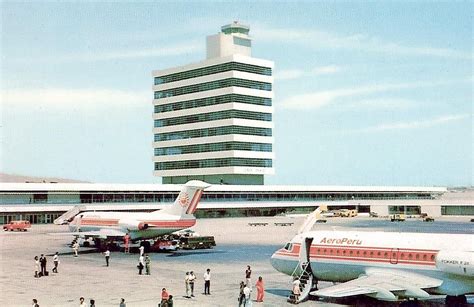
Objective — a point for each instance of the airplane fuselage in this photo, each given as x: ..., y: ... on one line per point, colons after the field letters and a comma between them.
x: 341, y: 256
x: 137, y: 225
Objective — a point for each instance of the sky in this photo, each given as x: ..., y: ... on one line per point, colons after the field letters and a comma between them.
x: 366, y: 93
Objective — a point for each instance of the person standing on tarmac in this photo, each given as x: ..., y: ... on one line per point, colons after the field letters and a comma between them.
x: 75, y: 247
x: 192, y: 278
x: 248, y: 279
x: 43, y: 264
x: 147, y: 265
x: 186, y: 284
x: 37, y: 267
x: 107, y: 256
x: 56, y: 262
x: 207, y: 282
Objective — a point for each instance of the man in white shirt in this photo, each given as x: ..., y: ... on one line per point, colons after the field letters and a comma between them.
x: 107, y: 256
x: 142, y: 250
x: 247, y: 292
x: 141, y: 264
x: 56, y: 262
x: 207, y: 282
x: 75, y: 247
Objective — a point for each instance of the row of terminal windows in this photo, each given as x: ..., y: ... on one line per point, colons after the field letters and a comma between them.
x: 199, y: 133
x: 210, y: 70
x: 178, y: 150
x: 213, y: 85
x: 204, y: 117
x: 95, y: 197
x: 209, y: 101
x: 373, y: 254
x: 224, y: 162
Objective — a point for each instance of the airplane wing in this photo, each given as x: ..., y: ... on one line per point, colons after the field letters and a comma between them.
x: 101, y: 234
x: 384, y: 285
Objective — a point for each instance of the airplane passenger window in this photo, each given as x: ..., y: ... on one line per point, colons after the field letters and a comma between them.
x: 424, y: 257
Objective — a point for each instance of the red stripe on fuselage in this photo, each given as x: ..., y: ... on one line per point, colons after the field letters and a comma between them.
x: 366, y: 254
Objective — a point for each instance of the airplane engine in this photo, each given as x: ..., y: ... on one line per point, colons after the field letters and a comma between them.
x: 456, y: 262
x: 133, y: 225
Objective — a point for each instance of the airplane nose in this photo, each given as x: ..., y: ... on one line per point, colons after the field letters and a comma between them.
x: 274, y: 261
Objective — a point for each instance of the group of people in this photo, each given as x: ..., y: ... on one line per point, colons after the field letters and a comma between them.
x: 40, y: 265
x: 245, y: 299
x: 190, y: 279
x: 144, y: 262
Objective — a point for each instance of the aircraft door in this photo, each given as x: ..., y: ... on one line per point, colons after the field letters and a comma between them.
x: 305, y: 250
x: 394, y: 255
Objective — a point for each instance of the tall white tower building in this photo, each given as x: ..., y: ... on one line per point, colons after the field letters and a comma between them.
x: 213, y: 119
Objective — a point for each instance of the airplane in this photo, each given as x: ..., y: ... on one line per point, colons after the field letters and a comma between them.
x: 388, y: 266
x: 109, y: 225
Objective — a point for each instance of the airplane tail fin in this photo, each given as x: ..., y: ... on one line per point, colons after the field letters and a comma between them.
x: 188, y: 199
x: 311, y: 219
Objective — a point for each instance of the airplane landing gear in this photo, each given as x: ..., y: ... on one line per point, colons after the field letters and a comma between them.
x: 456, y: 301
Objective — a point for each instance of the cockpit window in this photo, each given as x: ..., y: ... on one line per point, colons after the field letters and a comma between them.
x: 288, y: 246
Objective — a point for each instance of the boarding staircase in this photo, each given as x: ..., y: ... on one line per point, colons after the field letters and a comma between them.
x: 69, y: 215
x: 308, y: 283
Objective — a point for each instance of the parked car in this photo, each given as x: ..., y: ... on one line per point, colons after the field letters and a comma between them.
x: 17, y: 225
x: 428, y: 219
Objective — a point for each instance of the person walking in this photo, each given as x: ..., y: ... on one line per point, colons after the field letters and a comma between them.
x: 247, y: 296
x: 107, y: 256
x: 92, y: 303
x: 122, y: 303
x: 260, y: 289
x: 140, y: 265
x: 147, y: 265
x: 37, y: 267
x: 34, y: 303
x: 186, y: 284
x: 241, y: 294
x: 75, y: 248
x: 56, y: 262
x: 207, y: 282
x: 248, y: 279
x: 43, y: 262
x: 82, y: 303
x: 192, y: 279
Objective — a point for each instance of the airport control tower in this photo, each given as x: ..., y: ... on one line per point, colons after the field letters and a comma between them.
x: 213, y: 119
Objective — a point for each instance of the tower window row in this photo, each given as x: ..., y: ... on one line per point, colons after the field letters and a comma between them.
x: 213, y: 85
x: 210, y: 70
x: 213, y: 116
x: 225, y: 130
x: 197, y: 148
x: 209, y: 101
x: 223, y: 162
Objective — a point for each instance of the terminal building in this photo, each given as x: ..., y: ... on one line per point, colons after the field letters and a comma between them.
x: 213, y: 119
x: 44, y: 202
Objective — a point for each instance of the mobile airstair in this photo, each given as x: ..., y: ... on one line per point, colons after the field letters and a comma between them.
x: 69, y: 215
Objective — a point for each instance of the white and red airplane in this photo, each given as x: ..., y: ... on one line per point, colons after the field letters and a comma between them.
x: 388, y: 266
x: 115, y: 225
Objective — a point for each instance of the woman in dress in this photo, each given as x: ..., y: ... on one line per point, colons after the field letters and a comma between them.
x: 260, y: 289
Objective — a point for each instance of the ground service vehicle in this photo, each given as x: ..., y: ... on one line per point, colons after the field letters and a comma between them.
x: 197, y: 242
x: 17, y: 225
x: 397, y: 218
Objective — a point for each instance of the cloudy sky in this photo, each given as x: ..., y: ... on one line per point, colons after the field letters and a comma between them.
x: 365, y: 93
